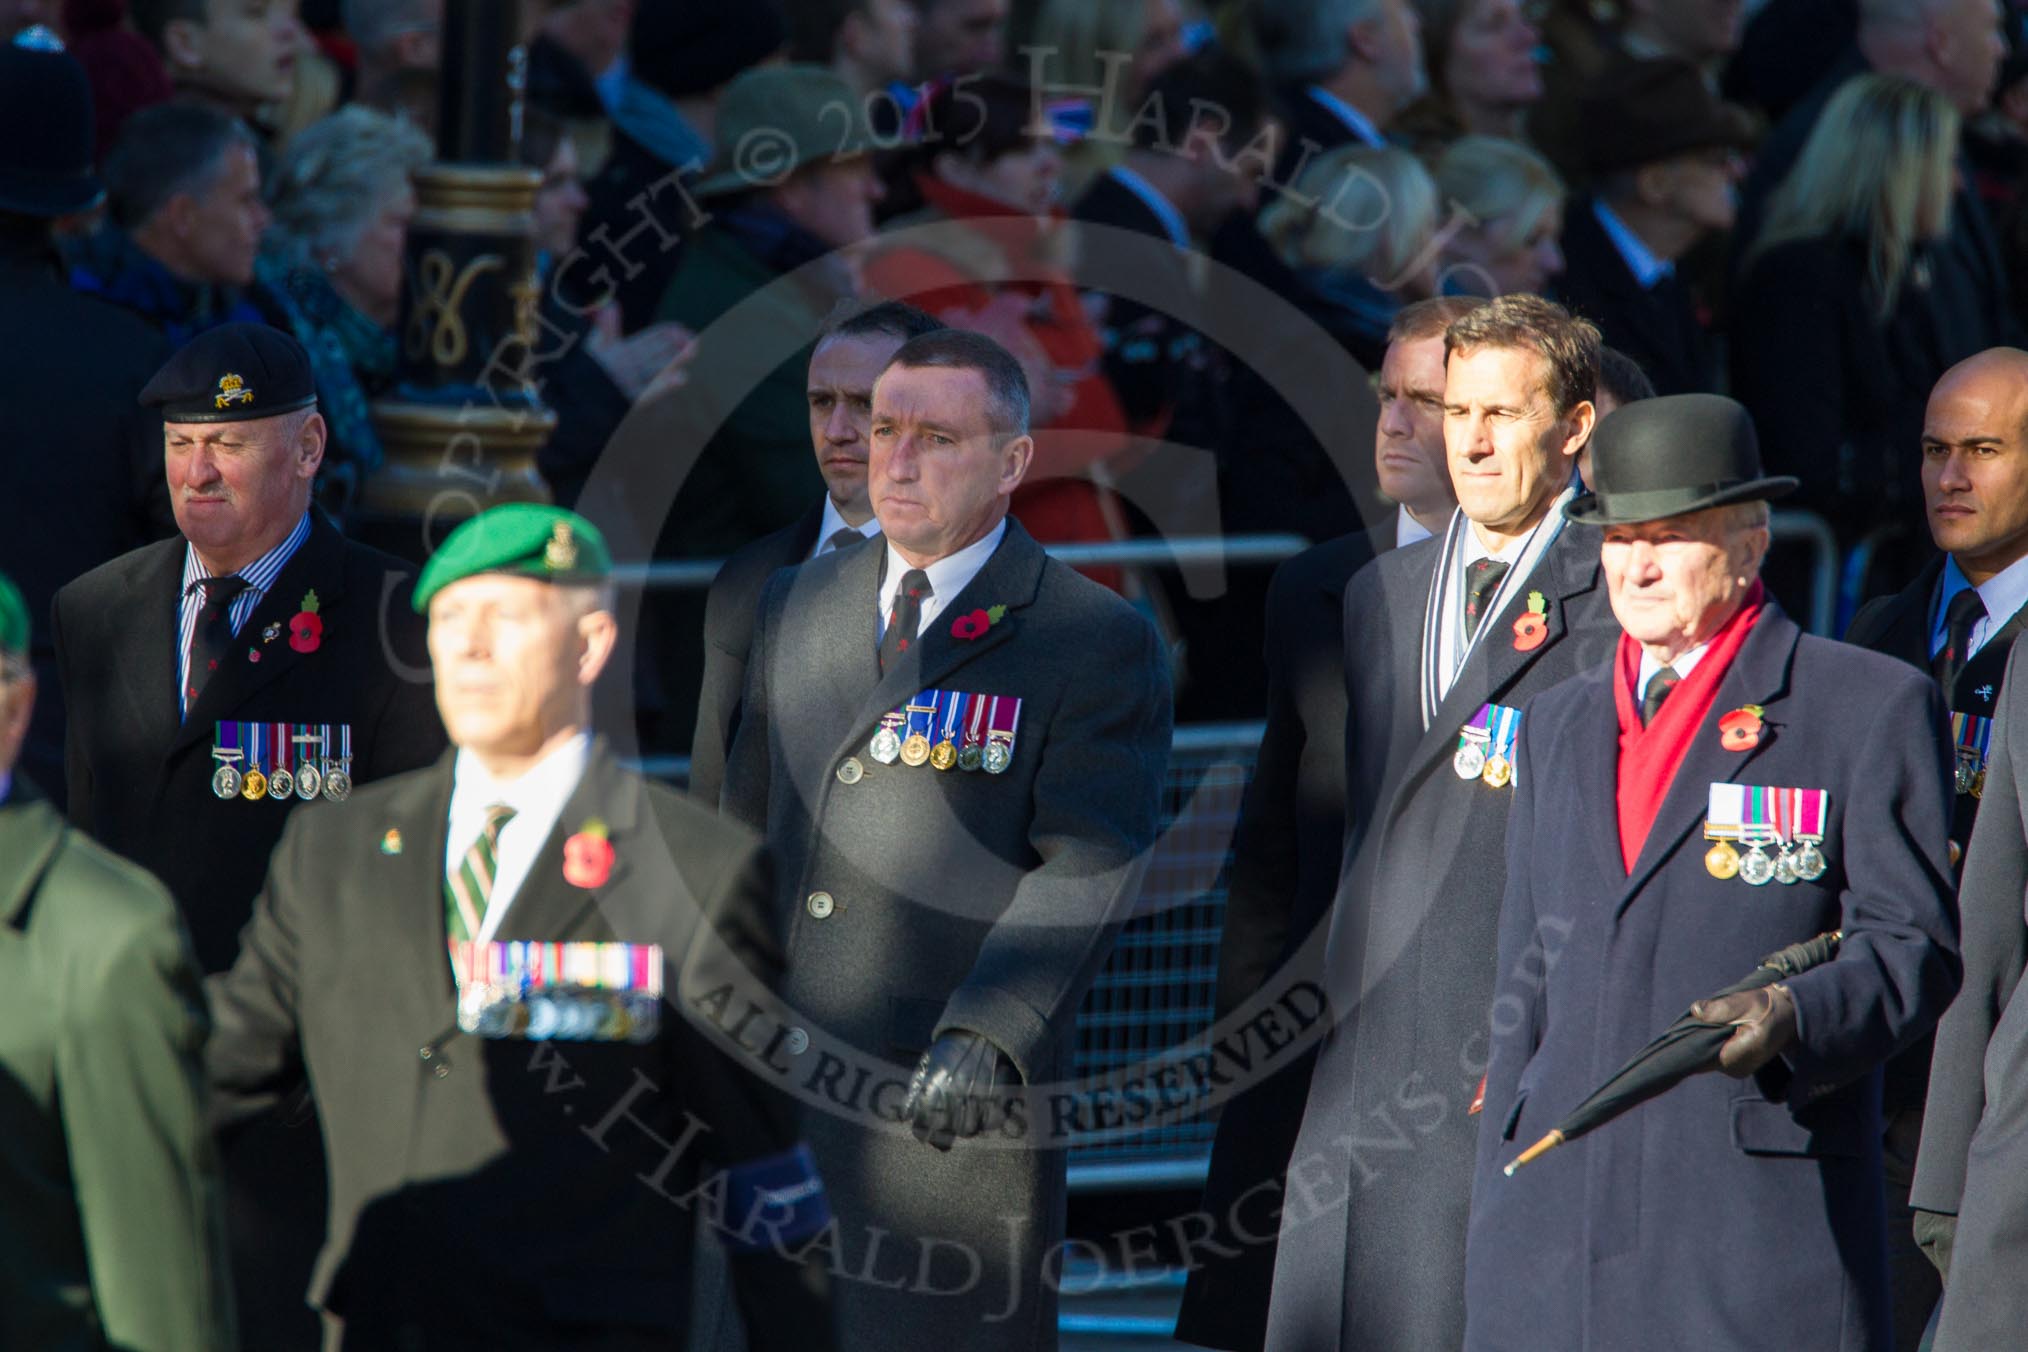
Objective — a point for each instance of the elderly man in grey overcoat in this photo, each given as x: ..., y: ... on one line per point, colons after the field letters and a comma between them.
x: 956, y: 747
x: 1446, y: 642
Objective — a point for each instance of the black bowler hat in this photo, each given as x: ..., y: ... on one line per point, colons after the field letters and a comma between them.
x: 1642, y: 112
x: 46, y: 101
x: 233, y: 373
x: 1670, y: 456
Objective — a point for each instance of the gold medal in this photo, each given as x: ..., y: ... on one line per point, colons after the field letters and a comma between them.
x: 1499, y: 772
x: 1721, y: 861
x: 1979, y: 783
x: 915, y: 749
x: 255, y: 786
x: 943, y: 756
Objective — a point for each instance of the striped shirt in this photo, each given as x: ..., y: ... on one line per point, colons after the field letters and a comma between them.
x: 259, y: 575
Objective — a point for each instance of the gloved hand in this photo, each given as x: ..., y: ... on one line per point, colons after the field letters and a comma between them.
x: 958, y: 1088
x: 1764, y: 1027
x: 1935, y: 1233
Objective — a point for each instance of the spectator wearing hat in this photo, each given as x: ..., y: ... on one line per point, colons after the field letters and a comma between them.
x: 1722, y: 786
x: 228, y: 54
x: 1664, y: 155
x: 332, y: 263
x: 185, y: 223
x: 81, y: 479
x: 770, y: 257
x: 1842, y: 322
x: 114, y: 1213
x: 681, y: 59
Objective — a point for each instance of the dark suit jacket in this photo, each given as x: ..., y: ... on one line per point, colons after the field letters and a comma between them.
x: 1607, y: 1242
x: 81, y: 477
x: 729, y: 612
x: 1379, y: 1262
x: 951, y: 900
x: 113, y: 1233
x: 1285, y: 855
x: 1656, y: 326
x: 1310, y: 130
x: 140, y: 779
x: 1974, y: 1158
x: 511, y: 1192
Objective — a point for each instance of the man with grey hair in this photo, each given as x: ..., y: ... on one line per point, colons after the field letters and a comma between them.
x: 955, y: 746
x: 400, y: 44
x: 254, y: 666
x: 183, y: 191
x: 1724, y: 786
x: 1344, y: 70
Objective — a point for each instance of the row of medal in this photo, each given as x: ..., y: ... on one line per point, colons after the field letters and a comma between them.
x: 944, y: 729
x: 562, y: 992
x: 1486, y: 746
x: 281, y: 760
x: 1971, y: 738
x: 1789, y: 820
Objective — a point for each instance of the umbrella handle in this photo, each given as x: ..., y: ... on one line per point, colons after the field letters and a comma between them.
x: 1535, y: 1152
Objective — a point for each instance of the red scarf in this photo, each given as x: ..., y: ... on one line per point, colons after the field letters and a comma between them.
x: 1650, y: 756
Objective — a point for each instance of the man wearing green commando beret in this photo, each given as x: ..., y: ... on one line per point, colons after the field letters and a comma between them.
x: 470, y: 963
x: 112, y: 1228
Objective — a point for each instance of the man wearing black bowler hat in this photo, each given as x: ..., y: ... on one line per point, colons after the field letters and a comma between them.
x: 1724, y: 786
x: 218, y: 682
x: 81, y: 481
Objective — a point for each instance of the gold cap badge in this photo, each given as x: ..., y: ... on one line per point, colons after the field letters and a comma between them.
x: 560, y: 554
x: 231, y: 390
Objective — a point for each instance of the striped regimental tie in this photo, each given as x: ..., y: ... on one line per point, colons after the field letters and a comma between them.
x: 471, y: 882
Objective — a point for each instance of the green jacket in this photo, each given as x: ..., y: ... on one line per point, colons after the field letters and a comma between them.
x: 112, y: 1226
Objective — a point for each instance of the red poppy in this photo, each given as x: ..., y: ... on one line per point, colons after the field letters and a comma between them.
x: 587, y: 859
x: 306, y: 631
x: 1740, y: 729
x: 1529, y: 632
x: 969, y: 627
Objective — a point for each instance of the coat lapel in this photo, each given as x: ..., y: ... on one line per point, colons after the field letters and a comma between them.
x: 30, y: 832
x: 549, y: 906
x: 1759, y: 675
x: 1978, y: 685
x: 1012, y: 577
x: 407, y: 883
x: 318, y: 565
x: 147, y: 631
x: 1904, y: 626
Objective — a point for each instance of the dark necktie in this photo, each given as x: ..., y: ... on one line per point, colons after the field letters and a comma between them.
x: 1964, y: 611
x: 905, y: 619
x: 1482, y: 579
x: 844, y: 538
x: 1659, y: 686
x: 212, y: 640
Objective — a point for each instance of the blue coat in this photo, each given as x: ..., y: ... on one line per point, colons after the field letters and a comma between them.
x: 1726, y: 1213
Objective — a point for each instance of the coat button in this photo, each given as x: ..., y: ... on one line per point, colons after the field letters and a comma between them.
x: 820, y: 905
x: 425, y: 1052
x: 797, y: 1042
x: 851, y: 772
x: 442, y: 1070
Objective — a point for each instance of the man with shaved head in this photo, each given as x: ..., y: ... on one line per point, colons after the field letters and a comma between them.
x: 1957, y: 620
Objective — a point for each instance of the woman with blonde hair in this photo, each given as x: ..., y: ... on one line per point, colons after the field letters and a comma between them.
x: 1357, y: 230
x: 1112, y: 45
x: 1504, y: 215
x: 1835, y: 333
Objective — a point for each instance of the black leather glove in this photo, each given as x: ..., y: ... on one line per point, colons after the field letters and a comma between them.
x: 1935, y: 1233
x: 1764, y: 1026
x: 958, y: 1089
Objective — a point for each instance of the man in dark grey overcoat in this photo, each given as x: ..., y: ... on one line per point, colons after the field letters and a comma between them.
x: 1446, y: 642
x: 955, y: 747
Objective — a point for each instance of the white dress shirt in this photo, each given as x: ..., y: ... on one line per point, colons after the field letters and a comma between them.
x: 833, y: 523
x: 1407, y: 530
x: 1682, y: 666
x: 2004, y: 594
x: 537, y: 797
x: 947, y: 577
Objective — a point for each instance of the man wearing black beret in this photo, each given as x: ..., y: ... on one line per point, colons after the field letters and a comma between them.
x: 220, y: 680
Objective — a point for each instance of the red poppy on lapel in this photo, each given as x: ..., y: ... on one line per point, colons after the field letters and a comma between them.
x: 1533, y: 627
x: 975, y: 625
x: 306, y: 630
x: 588, y: 856
x: 1740, y: 729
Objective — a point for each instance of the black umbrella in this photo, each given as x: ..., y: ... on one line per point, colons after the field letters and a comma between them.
x: 1684, y: 1048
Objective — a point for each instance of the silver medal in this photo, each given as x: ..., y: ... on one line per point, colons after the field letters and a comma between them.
x: 1810, y: 863
x: 1470, y: 762
x: 1756, y: 868
x: 999, y: 755
x: 281, y: 783
x: 337, y: 784
x: 1785, y: 870
x: 309, y: 781
x: 226, y: 781
x: 886, y: 747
